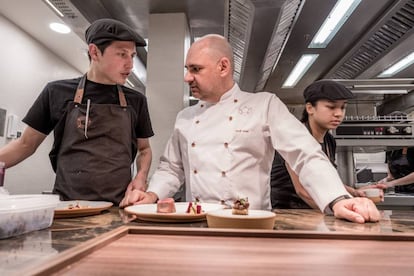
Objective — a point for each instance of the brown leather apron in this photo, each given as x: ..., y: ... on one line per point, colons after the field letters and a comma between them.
x: 95, y: 155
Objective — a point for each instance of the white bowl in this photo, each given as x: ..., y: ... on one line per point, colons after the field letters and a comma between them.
x: 256, y: 219
x: 373, y: 194
x: 20, y: 214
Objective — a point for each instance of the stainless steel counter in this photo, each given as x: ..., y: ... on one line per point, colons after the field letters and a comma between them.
x: 397, y: 201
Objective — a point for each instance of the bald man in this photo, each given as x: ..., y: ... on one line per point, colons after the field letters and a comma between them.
x: 222, y: 148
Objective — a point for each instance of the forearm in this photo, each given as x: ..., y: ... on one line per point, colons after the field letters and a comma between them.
x: 143, y: 163
x: 13, y: 153
x: 18, y: 150
x: 408, y: 179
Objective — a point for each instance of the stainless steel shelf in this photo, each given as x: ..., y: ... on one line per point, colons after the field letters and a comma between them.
x: 395, y: 201
x: 374, y: 142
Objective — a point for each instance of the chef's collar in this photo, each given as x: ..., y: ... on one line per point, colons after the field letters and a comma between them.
x: 229, y: 94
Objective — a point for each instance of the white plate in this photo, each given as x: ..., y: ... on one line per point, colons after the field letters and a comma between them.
x: 148, y: 212
x: 88, y: 208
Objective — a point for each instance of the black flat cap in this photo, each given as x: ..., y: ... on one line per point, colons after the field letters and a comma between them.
x: 104, y: 30
x: 327, y: 90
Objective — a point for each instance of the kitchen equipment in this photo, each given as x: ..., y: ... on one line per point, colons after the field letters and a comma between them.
x: 388, y: 127
x: 20, y: 214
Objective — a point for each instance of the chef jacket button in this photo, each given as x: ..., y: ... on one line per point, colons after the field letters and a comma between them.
x: 226, y: 145
x: 195, y: 171
x: 193, y: 144
x: 230, y: 118
x: 223, y: 173
x: 201, y: 105
x: 197, y: 121
x: 236, y: 100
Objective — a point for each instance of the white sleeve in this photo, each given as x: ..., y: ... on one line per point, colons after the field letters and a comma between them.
x: 169, y: 175
x: 304, y: 155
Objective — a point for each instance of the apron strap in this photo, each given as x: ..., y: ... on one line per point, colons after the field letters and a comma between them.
x: 121, y: 95
x: 79, y: 91
x: 81, y: 88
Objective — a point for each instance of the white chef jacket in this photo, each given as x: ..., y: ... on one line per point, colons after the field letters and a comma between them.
x: 224, y: 151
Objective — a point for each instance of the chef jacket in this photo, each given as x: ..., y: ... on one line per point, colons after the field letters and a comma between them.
x: 224, y: 150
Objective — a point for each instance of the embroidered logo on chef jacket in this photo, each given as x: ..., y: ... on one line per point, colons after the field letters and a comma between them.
x: 80, y: 122
x: 245, y: 110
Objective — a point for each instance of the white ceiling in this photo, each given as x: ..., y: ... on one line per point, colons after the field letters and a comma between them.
x: 34, y: 17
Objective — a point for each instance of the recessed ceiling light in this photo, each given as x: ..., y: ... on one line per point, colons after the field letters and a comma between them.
x: 59, y: 28
x: 54, y: 8
x: 336, y: 18
x: 399, y: 66
x: 299, y: 70
x: 380, y: 91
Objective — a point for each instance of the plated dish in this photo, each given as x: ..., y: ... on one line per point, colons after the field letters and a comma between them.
x: 148, y: 212
x: 80, y: 208
x: 256, y: 219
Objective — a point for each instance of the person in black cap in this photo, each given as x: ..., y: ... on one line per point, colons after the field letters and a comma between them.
x: 325, y: 105
x: 100, y: 126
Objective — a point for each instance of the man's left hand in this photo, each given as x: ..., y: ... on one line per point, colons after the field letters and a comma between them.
x: 357, y: 209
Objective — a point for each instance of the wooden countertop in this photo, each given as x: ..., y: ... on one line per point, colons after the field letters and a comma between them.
x: 317, y: 242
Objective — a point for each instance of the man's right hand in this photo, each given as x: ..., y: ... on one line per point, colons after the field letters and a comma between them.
x: 133, y: 197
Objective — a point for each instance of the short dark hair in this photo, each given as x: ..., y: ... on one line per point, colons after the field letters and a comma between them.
x: 101, y: 48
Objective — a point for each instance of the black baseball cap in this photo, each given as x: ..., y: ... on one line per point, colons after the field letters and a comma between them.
x: 104, y: 30
x: 327, y: 90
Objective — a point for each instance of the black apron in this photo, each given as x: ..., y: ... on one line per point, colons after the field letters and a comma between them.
x: 94, y: 158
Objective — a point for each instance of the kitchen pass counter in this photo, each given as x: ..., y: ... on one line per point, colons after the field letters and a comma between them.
x: 303, y: 241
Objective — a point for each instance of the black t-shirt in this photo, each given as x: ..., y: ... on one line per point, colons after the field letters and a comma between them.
x: 282, y: 193
x: 401, y: 165
x: 50, y: 107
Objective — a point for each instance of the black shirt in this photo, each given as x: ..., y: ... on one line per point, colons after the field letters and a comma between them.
x: 282, y: 193
x: 50, y: 107
x: 401, y: 165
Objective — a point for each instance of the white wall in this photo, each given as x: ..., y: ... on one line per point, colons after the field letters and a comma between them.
x: 25, y: 68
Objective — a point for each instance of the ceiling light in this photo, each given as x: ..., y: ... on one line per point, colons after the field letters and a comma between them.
x: 59, y: 28
x: 399, y: 66
x: 336, y: 18
x: 139, y: 70
x: 54, y: 8
x: 299, y: 70
x: 129, y: 83
x: 382, y: 91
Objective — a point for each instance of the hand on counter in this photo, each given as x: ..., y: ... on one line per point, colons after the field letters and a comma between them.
x: 357, y: 209
x: 134, y: 196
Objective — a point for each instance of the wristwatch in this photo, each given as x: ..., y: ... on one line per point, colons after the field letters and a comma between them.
x: 336, y: 200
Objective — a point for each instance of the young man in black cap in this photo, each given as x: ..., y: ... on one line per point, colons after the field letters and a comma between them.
x: 324, y: 110
x: 99, y: 125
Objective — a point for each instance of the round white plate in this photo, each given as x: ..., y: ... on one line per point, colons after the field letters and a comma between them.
x: 88, y: 208
x: 148, y: 212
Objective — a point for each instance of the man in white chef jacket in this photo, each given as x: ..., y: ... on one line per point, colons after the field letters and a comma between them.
x: 222, y: 148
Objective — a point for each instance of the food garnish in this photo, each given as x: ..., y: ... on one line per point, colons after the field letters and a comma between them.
x: 194, y: 208
x: 241, y: 206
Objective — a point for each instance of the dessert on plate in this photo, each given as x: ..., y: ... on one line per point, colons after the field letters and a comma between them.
x: 166, y: 205
x: 240, y: 206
